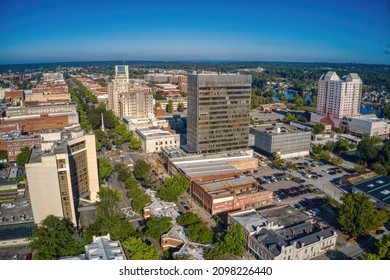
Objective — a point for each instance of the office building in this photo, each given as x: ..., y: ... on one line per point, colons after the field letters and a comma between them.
x: 61, y: 172
x: 337, y: 97
x: 126, y: 99
x: 218, y: 112
x: 156, y: 139
x: 282, y: 139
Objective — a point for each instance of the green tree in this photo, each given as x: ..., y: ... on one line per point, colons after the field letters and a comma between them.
x: 200, y: 232
x: 234, y: 241
x: 169, y: 107
x: 378, y: 168
x: 142, y: 170
x: 317, y: 149
x: 55, y: 238
x: 358, y: 214
x: 188, y: 218
x: 366, y: 149
x: 123, y: 171
x: 157, y: 226
x: 139, y: 250
x: 131, y: 183
x: 138, y: 203
x: 180, y: 107
x: 173, y: 188
x: 22, y: 157
x: 336, y: 160
x: 135, y: 143
x: 318, y: 128
x: 3, y: 154
x: 108, y: 204
x: 105, y: 169
x: 360, y: 168
x: 109, y: 218
x: 298, y: 101
x: 290, y: 118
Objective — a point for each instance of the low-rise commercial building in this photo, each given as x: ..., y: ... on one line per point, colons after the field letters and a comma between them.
x: 377, y: 188
x: 177, y: 238
x: 226, y: 195
x: 271, y: 234
x: 154, y: 140
x: 366, y: 124
x: 282, y: 139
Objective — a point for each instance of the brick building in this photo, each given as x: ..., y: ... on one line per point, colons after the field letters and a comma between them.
x: 14, y: 143
x: 226, y: 195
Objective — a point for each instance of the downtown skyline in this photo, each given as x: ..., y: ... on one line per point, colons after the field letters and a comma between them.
x: 296, y: 31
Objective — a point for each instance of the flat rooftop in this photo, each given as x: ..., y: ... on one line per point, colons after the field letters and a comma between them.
x: 378, y: 187
x: 37, y: 153
x: 278, y: 129
x: 250, y: 220
x: 206, y: 167
x: 147, y: 132
x: 285, y: 215
x: 227, y: 183
x: 189, y: 248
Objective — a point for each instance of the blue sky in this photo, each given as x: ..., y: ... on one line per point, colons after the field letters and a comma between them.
x: 278, y: 30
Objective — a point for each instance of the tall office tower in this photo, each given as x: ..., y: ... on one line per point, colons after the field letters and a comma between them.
x: 337, y: 97
x: 128, y: 100
x: 119, y: 84
x: 60, y: 173
x: 218, y: 112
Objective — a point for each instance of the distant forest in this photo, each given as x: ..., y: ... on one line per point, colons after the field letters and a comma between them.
x: 374, y: 76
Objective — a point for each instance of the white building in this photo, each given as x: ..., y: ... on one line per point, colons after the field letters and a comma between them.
x: 367, y: 124
x: 337, y: 97
x: 138, y: 123
x: 153, y: 140
x: 103, y: 248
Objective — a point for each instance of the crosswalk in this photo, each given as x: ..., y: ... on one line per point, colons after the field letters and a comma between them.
x: 130, y: 214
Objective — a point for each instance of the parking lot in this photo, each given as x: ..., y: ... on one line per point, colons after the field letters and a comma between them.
x: 18, y: 211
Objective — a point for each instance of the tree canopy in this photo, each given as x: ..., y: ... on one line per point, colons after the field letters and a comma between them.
x: 232, y: 243
x: 139, y: 250
x: 382, y: 250
x: 157, y: 226
x: 105, y: 169
x: 54, y: 238
x: 358, y: 214
x: 197, y: 229
x: 173, y: 188
x: 22, y: 157
x: 318, y: 128
x: 200, y: 232
x: 109, y: 218
x: 142, y: 170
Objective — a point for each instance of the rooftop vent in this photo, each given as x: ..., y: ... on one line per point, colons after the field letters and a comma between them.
x: 380, y: 182
x: 370, y: 185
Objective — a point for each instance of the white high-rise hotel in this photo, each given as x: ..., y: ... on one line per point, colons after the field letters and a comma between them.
x: 338, y: 98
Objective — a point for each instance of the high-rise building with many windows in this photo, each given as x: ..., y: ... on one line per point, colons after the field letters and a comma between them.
x: 218, y: 112
x: 126, y: 99
x: 338, y: 98
x: 61, y: 172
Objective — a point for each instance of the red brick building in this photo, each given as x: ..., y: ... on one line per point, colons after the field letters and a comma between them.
x: 231, y: 194
x: 33, y: 124
x: 14, y: 145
